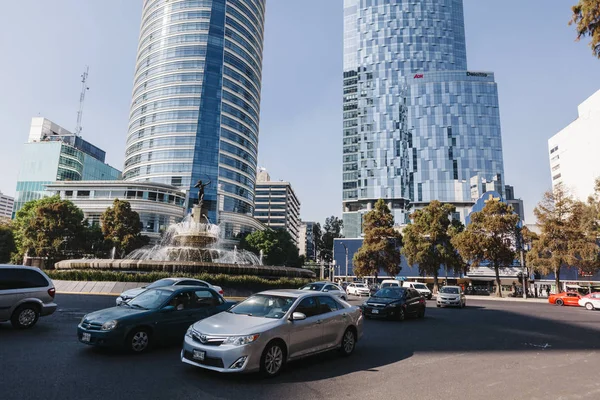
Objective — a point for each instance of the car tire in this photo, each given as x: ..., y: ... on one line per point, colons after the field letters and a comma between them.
x: 401, y: 315
x: 559, y: 302
x: 138, y: 340
x: 589, y: 306
x: 272, y: 360
x: 25, y: 316
x: 348, y: 342
x: 438, y: 305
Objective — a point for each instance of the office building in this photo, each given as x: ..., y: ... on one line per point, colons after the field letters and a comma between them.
x: 6, y: 206
x: 573, y: 152
x: 417, y: 124
x: 306, y: 241
x: 516, y: 204
x: 196, y: 102
x: 51, y: 154
x: 277, y: 205
x: 158, y: 205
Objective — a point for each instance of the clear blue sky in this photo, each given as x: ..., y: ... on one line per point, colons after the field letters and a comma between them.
x: 541, y: 72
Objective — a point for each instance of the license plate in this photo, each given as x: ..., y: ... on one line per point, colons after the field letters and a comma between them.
x: 375, y: 312
x: 86, y: 337
x: 199, y: 355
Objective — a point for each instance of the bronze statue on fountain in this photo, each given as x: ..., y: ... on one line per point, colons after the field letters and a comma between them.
x: 202, y: 235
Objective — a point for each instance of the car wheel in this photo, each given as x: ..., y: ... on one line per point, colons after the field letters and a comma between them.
x: 438, y: 305
x: 559, y: 302
x: 401, y: 315
x: 348, y: 342
x: 589, y: 306
x: 272, y: 360
x: 138, y: 340
x: 25, y: 316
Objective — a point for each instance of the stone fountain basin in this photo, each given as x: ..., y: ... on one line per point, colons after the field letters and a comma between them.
x: 265, y: 271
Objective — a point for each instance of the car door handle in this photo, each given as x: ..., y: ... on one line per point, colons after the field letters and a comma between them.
x: 319, y: 321
x: 344, y: 314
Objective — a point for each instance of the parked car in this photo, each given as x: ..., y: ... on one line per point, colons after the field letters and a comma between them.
x: 419, y: 287
x: 358, y: 289
x: 395, y: 302
x: 156, y: 316
x: 26, y: 293
x: 132, y: 293
x: 590, y: 301
x: 565, y: 299
x: 270, y: 328
x: 326, y: 287
x: 451, y: 296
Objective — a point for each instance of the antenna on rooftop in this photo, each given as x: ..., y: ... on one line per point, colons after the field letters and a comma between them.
x: 84, y: 88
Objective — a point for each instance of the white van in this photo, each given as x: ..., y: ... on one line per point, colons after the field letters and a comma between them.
x: 419, y: 287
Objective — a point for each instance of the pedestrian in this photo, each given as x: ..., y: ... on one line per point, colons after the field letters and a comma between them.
x: 548, y: 291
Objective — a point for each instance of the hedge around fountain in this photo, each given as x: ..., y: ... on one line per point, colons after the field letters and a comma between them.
x: 179, y: 267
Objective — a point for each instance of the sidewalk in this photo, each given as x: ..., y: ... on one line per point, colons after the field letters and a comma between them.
x: 516, y: 299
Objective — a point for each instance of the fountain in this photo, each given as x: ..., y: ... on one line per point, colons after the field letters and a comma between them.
x: 191, y: 246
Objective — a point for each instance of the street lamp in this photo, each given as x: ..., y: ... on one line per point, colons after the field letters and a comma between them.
x: 346, y: 248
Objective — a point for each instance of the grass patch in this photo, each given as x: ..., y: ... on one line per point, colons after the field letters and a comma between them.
x: 254, y: 283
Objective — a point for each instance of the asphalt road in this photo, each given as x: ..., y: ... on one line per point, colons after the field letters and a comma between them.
x: 489, y: 350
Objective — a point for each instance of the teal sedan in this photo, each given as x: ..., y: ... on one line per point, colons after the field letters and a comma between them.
x: 157, y: 316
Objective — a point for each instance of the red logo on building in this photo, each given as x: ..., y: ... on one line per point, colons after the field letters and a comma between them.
x: 417, y: 76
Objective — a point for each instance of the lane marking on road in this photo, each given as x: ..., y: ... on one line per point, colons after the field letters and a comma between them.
x: 541, y: 346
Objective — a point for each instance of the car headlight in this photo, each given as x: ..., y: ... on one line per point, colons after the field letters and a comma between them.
x: 109, y: 325
x: 82, y: 319
x: 189, y: 332
x: 241, y: 340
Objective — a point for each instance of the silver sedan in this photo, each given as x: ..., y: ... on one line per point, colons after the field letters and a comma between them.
x: 268, y: 329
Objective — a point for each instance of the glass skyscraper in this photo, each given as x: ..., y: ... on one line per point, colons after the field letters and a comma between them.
x: 196, y: 100
x: 418, y: 125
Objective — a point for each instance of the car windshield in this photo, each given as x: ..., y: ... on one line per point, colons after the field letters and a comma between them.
x: 161, y: 283
x: 449, y: 290
x: 150, y: 299
x: 313, y: 286
x: 391, y: 293
x: 419, y: 286
x: 265, y: 306
x: 361, y: 285
x: 389, y: 284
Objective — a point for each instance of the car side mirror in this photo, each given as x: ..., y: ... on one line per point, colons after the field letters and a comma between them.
x: 168, y: 308
x: 325, y: 290
x: 298, y: 316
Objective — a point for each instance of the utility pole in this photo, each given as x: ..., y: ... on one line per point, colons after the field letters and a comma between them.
x: 84, y: 88
x: 345, y: 248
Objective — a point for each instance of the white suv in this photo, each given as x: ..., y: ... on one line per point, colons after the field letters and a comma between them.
x: 358, y: 289
x: 419, y: 287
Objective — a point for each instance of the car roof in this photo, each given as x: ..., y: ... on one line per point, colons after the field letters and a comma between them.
x: 178, y: 288
x: 290, y: 293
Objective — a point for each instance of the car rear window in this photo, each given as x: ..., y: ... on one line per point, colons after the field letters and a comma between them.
x: 389, y: 284
x: 16, y: 278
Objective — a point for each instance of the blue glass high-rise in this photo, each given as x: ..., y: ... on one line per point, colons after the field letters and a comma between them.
x: 418, y: 126
x: 196, y: 99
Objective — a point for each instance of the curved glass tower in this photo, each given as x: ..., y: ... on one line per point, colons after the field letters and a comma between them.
x: 418, y: 125
x: 196, y: 99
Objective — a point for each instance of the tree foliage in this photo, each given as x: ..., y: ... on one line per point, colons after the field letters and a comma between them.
x: 332, y: 229
x: 7, y: 242
x: 490, y: 238
x: 121, y: 225
x: 568, y: 234
x: 277, y: 246
x: 380, y: 248
x: 427, y: 241
x: 586, y: 18
x: 51, y: 228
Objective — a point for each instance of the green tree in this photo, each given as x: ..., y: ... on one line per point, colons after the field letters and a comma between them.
x: 121, y: 225
x: 490, y: 237
x: 427, y: 241
x: 331, y: 230
x: 277, y: 246
x: 586, y: 17
x: 381, y: 245
x: 7, y: 242
x: 50, y: 228
x: 567, y: 234
x: 95, y: 245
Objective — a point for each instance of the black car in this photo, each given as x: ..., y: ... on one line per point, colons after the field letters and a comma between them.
x: 395, y: 302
